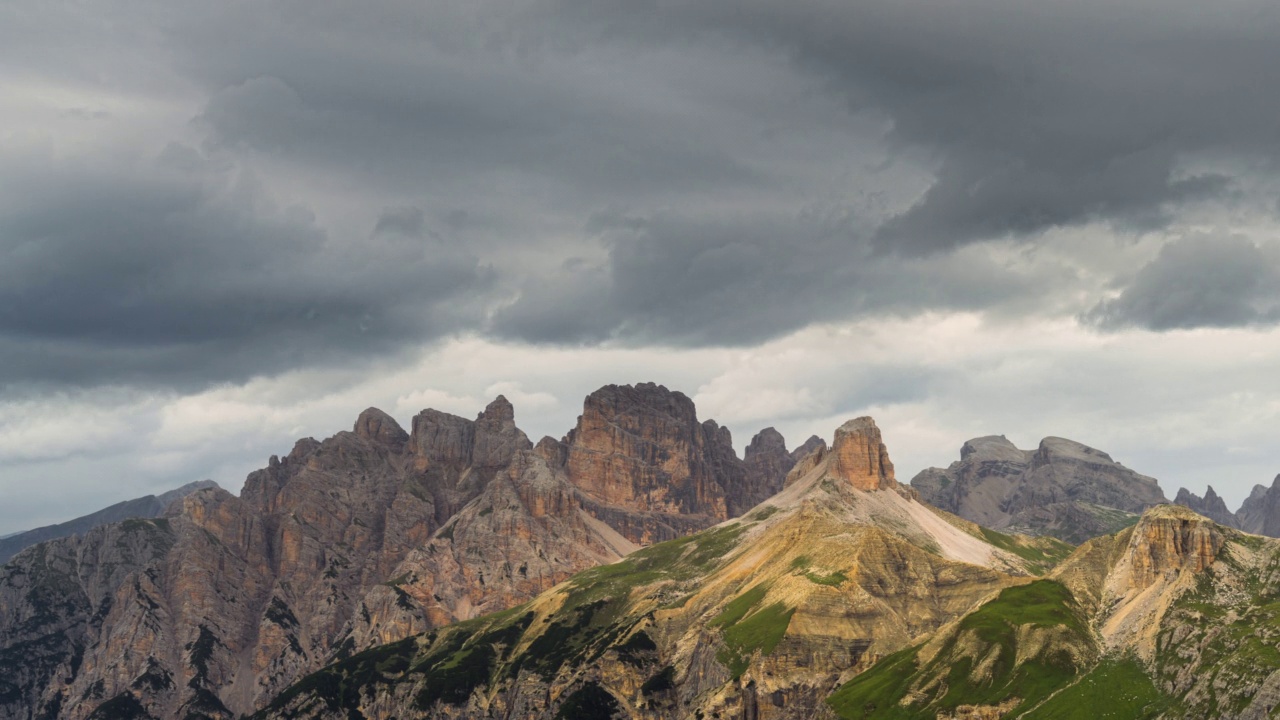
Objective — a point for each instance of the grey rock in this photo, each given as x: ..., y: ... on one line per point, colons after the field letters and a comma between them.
x: 1062, y: 488
x: 150, y: 506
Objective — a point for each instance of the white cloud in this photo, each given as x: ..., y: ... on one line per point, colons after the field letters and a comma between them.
x: 1189, y: 407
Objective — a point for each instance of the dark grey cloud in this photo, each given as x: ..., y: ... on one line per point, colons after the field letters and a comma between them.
x: 1195, y: 282
x: 179, y: 270
x: 557, y: 171
x: 745, y: 279
x: 1038, y: 115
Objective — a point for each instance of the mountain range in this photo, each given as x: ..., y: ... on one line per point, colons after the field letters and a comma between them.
x: 367, y: 537
x: 638, y: 567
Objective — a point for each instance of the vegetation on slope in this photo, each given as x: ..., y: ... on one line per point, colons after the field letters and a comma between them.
x: 1042, y: 553
x: 1117, y: 689
x: 1221, y: 641
x: 978, y: 663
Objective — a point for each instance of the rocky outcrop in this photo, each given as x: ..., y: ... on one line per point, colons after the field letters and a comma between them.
x: 806, y: 463
x: 767, y: 463
x: 642, y: 449
x: 1063, y: 488
x: 1260, y: 512
x: 1252, y: 515
x: 861, y: 457
x: 645, y: 465
x: 151, y: 506
x: 1169, y: 540
x: 524, y: 534
x: 1210, y: 506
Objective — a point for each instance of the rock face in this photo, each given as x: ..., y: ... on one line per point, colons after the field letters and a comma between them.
x: 1062, y: 488
x: 861, y: 457
x: 645, y: 465
x: 767, y: 464
x: 1260, y: 512
x: 1251, y: 517
x: 1210, y: 506
x: 365, y: 538
x: 1169, y: 540
x: 151, y: 506
x: 758, y: 618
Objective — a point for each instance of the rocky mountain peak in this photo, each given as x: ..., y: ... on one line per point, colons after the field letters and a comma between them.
x: 1169, y: 539
x: 497, y: 438
x: 861, y: 456
x: 1260, y: 512
x: 991, y: 447
x: 808, y: 446
x: 378, y: 427
x: 500, y: 411
x: 1211, y: 506
x: 640, y: 452
x: 1056, y: 449
x: 767, y: 442
x: 1062, y: 488
x: 441, y: 438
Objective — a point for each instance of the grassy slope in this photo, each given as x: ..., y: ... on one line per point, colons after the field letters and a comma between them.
x: 950, y: 680
x: 1117, y: 689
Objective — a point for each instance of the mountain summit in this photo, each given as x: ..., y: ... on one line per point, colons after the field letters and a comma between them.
x: 1062, y: 488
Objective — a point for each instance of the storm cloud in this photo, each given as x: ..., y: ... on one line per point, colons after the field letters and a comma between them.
x: 174, y: 270
x: 213, y: 192
x: 1198, y: 282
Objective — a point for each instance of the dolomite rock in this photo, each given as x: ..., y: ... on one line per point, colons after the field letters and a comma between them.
x: 767, y: 464
x: 861, y: 457
x: 645, y: 465
x: 642, y: 448
x: 1252, y: 515
x: 806, y: 463
x: 1062, y: 488
x: 1168, y: 541
x: 1210, y: 506
x: 151, y: 506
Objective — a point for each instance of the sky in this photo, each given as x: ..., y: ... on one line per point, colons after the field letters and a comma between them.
x: 225, y: 226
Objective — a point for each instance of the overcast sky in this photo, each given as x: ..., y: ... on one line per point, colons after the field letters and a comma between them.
x: 227, y: 225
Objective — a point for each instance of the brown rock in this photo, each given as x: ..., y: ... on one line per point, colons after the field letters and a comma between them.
x: 366, y: 537
x: 767, y: 462
x: 861, y: 457
x: 641, y: 449
x: 1168, y: 540
x: 806, y: 463
x: 376, y: 426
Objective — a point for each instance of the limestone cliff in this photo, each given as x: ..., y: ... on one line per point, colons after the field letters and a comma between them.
x: 1063, y: 488
x: 860, y: 457
x: 644, y: 464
